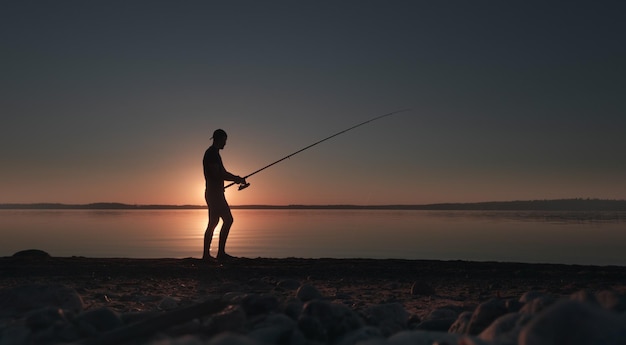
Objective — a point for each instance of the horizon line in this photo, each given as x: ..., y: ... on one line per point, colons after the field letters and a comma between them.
x: 536, y: 204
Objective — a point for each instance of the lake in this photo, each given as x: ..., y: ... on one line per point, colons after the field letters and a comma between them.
x: 594, y: 238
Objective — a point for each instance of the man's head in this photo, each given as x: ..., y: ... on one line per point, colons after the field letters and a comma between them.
x: 219, y: 138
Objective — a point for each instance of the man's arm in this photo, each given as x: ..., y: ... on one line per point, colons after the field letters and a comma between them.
x: 218, y: 171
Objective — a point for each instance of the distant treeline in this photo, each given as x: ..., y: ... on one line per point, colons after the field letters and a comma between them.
x: 528, y: 205
x: 536, y: 205
x: 95, y: 206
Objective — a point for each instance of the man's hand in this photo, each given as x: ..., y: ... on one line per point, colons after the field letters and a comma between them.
x: 240, y: 180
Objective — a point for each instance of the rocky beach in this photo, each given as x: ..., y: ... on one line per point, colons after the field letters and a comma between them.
x: 79, y: 300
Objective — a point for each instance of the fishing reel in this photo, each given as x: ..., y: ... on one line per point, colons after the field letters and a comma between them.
x: 244, y: 185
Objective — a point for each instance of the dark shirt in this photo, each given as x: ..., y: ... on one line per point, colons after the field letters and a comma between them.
x: 214, y: 184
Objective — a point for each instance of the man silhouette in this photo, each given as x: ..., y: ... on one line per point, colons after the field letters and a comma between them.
x: 215, y: 174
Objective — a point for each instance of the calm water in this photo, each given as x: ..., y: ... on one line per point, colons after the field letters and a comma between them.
x: 550, y: 237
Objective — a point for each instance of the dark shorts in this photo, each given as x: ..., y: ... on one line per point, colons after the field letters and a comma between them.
x: 217, y: 203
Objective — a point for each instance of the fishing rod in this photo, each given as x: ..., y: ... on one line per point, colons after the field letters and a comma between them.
x: 246, y: 185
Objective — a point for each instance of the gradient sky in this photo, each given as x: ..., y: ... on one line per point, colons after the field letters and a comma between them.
x: 116, y: 100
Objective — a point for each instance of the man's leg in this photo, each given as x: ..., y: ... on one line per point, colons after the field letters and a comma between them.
x: 214, y: 219
x: 208, y: 235
x: 227, y: 218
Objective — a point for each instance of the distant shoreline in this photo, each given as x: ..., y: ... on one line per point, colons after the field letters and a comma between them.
x: 523, y: 205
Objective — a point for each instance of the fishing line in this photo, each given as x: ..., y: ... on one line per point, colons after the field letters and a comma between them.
x: 246, y: 185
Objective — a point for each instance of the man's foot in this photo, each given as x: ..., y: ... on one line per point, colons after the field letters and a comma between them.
x: 208, y: 258
x: 225, y: 257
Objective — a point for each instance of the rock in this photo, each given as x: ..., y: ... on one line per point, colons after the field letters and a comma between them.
x: 461, y: 325
x: 227, y: 287
x: 193, y: 326
x: 390, y: 317
x: 538, y: 304
x: 32, y: 254
x: 307, y: 292
x: 255, y: 304
x: 234, y: 297
x: 367, y: 333
x: 512, y: 305
x: 19, y: 300
x: 15, y: 334
x: 183, y: 340
x: 425, y: 338
x: 442, y: 313
x: 138, y: 316
x: 584, y: 296
x: 485, y: 314
x: 438, y: 325
x: 440, y: 319
x: 260, y: 284
x: 608, y: 299
x: 169, y: 303
x: 44, y: 318
x: 101, y: 320
x: 611, y: 300
x: 530, y: 295
x: 414, y: 320
x: 312, y: 329
x: 231, y: 319
x: 344, y: 320
x: 288, y: 284
x: 421, y: 288
x: 274, y: 329
x: 505, y: 329
x: 322, y: 320
x: 471, y: 341
x: 574, y: 323
x: 293, y: 308
x: 232, y: 339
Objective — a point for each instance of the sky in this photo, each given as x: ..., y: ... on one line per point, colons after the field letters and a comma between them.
x: 116, y: 101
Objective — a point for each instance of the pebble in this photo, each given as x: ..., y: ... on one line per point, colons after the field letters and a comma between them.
x: 485, y: 314
x: 421, y: 288
x: 232, y: 339
x: 44, y: 318
x: 255, y: 304
x: 169, y: 303
x: 440, y: 319
x: 442, y: 313
x: 390, y: 317
x: 505, y: 329
x: 15, y: 334
x: 54, y: 314
x: 611, y: 300
x: 326, y: 321
x: 183, y: 340
x: 367, y: 333
x: 231, y: 319
x: 288, y: 284
x: 424, y: 338
x: 307, y: 292
x: 530, y: 295
x: 275, y: 329
x: 575, y: 323
x: 461, y: 324
x: 439, y: 325
x: 293, y: 308
x: 100, y: 320
x: 18, y: 300
x: 538, y: 304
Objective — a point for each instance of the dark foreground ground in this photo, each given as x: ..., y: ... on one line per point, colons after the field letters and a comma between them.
x: 140, y: 284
